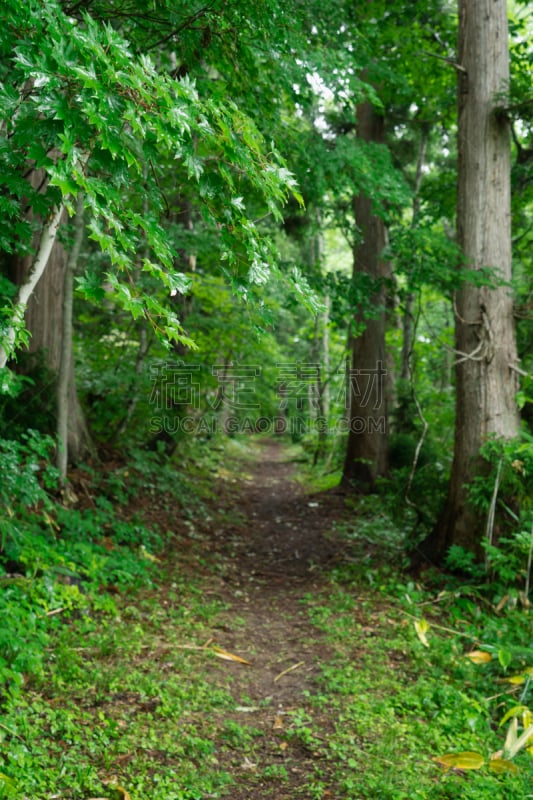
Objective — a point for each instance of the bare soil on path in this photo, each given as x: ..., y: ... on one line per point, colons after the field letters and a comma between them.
x: 274, y: 555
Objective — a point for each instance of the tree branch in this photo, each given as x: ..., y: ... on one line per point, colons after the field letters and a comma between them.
x: 449, y: 61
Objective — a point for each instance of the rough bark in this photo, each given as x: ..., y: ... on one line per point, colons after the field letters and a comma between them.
x: 44, y: 321
x: 486, y: 383
x: 367, y: 447
x: 31, y: 279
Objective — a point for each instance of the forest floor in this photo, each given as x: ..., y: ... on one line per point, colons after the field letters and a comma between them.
x: 278, y: 652
x: 273, y: 558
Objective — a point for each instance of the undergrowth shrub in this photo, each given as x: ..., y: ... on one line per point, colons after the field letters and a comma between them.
x: 56, y: 561
x: 504, y: 496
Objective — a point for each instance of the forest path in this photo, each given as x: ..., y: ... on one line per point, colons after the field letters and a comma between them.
x: 270, y: 558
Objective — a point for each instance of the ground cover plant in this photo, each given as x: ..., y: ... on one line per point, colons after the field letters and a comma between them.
x: 259, y: 652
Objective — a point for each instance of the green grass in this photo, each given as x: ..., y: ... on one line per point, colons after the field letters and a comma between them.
x: 104, y: 710
x: 108, y: 683
x: 397, y: 704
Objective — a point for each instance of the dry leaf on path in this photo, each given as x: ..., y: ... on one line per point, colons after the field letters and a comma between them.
x: 228, y: 656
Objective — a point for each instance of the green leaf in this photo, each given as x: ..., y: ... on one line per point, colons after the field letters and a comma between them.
x: 504, y: 657
x: 513, y: 712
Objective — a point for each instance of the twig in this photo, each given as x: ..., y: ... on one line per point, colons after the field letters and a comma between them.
x: 420, y: 442
x: 17, y: 735
x: 193, y: 646
x: 420, y: 414
x: 86, y: 490
x: 448, y: 60
x: 54, y: 612
x: 444, y: 628
x: 289, y: 669
x: 528, y: 568
x: 521, y: 372
x: 492, y: 511
x: 511, y: 690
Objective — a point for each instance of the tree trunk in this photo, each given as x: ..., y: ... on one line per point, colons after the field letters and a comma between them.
x: 64, y: 378
x: 404, y: 411
x: 486, y: 384
x: 30, y: 281
x: 44, y: 321
x: 367, y: 447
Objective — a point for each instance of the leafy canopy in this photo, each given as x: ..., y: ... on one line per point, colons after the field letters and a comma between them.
x: 85, y: 113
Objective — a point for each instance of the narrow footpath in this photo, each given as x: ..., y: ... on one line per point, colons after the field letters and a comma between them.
x: 272, y: 557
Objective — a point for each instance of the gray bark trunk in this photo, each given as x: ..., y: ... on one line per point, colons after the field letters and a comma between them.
x: 367, y: 447
x: 65, y: 365
x: 486, y: 383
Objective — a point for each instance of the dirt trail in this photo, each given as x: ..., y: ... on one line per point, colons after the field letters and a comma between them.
x: 271, y: 560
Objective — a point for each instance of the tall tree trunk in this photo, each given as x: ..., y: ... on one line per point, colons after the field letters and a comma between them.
x: 485, y: 338
x: 44, y: 321
x: 64, y: 422
x: 32, y: 277
x: 326, y: 361
x: 367, y: 447
x: 403, y: 414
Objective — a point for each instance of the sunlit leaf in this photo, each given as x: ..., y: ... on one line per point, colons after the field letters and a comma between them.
x: 116, y: 793
x: 466, y: 760
x: 502, y: 603
x: 148, y: 556
x: 479, y: 657
x: 518, y: 680
x: 421, y: 628
x: 513, y: 712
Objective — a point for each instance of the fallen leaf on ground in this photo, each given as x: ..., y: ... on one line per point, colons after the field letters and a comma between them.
x: 229, y: 656
x: 479, y: 656
x: 502, y: 765
x: 466, y: 760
